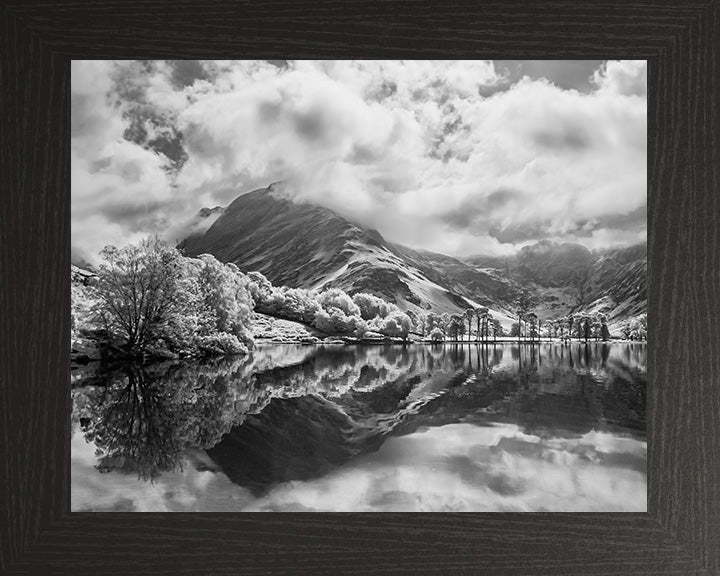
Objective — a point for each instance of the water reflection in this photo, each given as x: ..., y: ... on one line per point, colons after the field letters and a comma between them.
x: 487, y: 427
x: 144, y: 419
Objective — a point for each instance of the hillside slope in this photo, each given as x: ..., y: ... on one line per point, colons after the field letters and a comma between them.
x: 620, y: 275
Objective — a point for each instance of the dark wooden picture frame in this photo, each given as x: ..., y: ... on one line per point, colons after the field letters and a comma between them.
x: 680, y: 534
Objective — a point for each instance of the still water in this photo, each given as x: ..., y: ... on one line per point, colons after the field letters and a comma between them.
x: 367, y: 428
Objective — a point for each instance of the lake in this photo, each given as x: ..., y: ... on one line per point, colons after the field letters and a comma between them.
x: 454, y: 427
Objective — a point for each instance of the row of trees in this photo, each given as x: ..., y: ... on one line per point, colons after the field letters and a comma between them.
x: 439, y: 327
x: 581, y: 326
x: 486, y: 327
x: 332, y: 311
x: 592, y: 327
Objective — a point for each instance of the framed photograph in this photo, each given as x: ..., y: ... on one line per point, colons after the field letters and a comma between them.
x: 459, y: 311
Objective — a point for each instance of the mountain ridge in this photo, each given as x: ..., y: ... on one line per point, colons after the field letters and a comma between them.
x: 303, y: 245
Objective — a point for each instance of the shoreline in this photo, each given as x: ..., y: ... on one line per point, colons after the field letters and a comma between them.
x: 91, y: 346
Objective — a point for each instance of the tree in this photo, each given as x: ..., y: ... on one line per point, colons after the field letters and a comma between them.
x: 370, y: 306
x: 300, y: 305
x: 596, y: 327
x: 636, y: 328
x: 556, y: 328
x: 604, y: 331
x: 260, y: 288
x: 432, y: 321
x: 337, y: 298
x: 383, y: 317
x: 226, y: 295
x: 525, y: 301
x: 532, y: 322
x: 625, y: 329
x: 397, y: 324
x: 338, y: 314
x: 580, y: 327
x: 456, y: 326
x: 469, y: 315
x: 138, y: 289
x: 497, y: 329
x: 642, y: 322
x: 154, y: 300
x: 586, y: 328
x: 444, y: 322
x: 482, y: 323
x: 335, y: 321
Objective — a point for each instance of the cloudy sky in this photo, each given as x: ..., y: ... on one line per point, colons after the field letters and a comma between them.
x: 459, y: 157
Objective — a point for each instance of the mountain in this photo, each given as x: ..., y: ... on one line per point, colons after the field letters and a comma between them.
x: 569, y: 278
x: 304, y: 245
x: 552, y: 264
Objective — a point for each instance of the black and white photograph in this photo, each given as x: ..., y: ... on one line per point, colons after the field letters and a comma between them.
x: 358, y: 286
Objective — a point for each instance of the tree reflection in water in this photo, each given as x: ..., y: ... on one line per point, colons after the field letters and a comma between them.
x: 145, y: 418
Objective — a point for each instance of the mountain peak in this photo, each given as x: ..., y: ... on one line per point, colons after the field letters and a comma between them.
x: 291, y: 243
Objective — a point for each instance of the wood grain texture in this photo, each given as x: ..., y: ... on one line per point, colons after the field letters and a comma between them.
x: 681, y: 532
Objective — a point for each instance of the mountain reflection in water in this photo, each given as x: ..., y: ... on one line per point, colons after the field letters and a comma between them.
x: 367, y: 428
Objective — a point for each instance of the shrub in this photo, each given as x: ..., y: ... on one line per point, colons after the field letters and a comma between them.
x: 337, y: 298
x: 336, y: 322
x: 397, y: 324
x: 301, y: 305
x: 371, y: 306
x: 260, y: 287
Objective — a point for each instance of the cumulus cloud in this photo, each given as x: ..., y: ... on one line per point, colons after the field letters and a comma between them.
x: 626, y: 77
x: 458, y: 157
